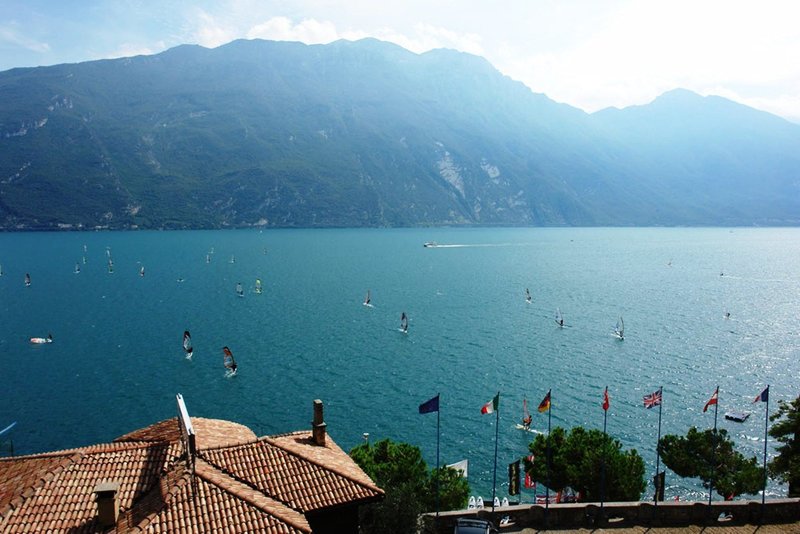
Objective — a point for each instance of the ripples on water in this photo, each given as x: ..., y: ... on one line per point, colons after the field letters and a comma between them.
x: 117, y: 361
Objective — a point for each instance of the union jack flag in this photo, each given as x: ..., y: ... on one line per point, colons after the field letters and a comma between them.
x: 654, y: 399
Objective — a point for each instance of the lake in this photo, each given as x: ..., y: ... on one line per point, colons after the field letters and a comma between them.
x: 117, y: 363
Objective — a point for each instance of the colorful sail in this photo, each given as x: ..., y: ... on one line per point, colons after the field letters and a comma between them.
x: 187, y: 344
x: 227, y: 359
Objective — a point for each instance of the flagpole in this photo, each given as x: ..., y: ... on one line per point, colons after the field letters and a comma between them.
x: 603, y: 465
x: 766, y: 424
x: 547, y: 487
x: 713, y: 451
x: 496, y: 435
x: 438, y: 474
x: 658, y: 440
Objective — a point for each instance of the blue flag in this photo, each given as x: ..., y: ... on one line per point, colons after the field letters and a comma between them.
x: 430, y: 406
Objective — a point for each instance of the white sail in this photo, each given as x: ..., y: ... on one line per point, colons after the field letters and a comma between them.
x: 187, y: 344
x: 619, y: 329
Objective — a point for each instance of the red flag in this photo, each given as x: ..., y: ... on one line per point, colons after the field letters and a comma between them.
x: 712, y: 400
x: 606, y: 401
x: 529, y: 482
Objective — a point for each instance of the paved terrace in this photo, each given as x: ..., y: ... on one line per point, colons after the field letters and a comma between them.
x: 732, y: 517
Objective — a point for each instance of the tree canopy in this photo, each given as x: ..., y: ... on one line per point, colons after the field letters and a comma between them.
x: 786, y: 466
x: 410, y: 486
x: 710, y: 456
x: 576, y: 461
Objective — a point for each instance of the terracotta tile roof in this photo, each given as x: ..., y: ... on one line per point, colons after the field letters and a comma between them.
x: 305, y: 476
x: 209, y: 432
x: 247, y: 484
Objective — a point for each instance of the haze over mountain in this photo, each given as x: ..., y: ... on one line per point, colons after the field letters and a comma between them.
x: 368, y: 134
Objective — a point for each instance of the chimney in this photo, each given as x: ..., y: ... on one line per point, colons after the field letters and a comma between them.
x: 106, y: 499
x: 318, y: 426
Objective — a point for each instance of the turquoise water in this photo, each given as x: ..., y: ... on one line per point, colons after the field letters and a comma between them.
x: 117, y: 362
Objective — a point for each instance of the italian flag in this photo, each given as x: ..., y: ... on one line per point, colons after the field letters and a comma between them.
x: 492, y: 405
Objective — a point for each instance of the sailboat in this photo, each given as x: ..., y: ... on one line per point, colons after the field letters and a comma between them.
x: 258, y: 286
x: 110, y: 265
x: 228, y: 362
x: 1, y: 270
x: 27, y: 280
x: 368, y: 300
x: 187, y: 344
x: 619, y: 330
x: 559, y: 318
x: 239, y: 289
x: 77, y: 268
x: 208, y: 258
x: 233, y: 259
x: 404, y: 323
x: 141, y: 271
x: 528, y: 297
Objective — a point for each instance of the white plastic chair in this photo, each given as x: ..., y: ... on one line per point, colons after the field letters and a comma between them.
x: 471, y: 504
x: 479, y: 502
x: 505, y: 501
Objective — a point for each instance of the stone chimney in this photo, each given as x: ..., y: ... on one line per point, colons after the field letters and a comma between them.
x: 107, y: 507
x: 318, y: 426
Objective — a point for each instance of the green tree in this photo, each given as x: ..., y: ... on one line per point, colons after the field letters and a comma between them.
x: 710, y: 455
x: 576, y: 461
x: 786, y: 466
x: 410, y: 487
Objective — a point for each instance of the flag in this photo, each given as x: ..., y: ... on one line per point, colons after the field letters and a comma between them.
x: 513, y: 478
x: 658, y: 481
x: 763, y: 396
x: 462, y: 466
x: 430, y: 405
x: 712, y: 400
x: 529, y: 482
x: 606, y: 401
x: 545, y: 404
x: 654, y: 399
x: 492, y: 405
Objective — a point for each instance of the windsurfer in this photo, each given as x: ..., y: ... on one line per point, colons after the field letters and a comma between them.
x: 526, y: 422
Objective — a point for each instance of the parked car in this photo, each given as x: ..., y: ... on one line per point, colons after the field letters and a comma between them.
x: 473, y: 526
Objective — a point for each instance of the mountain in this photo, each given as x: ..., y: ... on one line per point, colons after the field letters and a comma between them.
x: 368, y: 134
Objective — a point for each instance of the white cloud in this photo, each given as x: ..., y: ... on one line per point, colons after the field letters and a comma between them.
x: 10, y: 35
x: 307, y: 31
x: 211, y: 32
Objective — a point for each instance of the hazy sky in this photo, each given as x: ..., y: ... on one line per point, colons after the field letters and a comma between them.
x: 587, y: 53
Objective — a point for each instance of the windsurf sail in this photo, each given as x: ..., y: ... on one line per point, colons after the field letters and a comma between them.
x: 27, y: 280
x: 208, y: 258
x: 239, y: 289
x: 367, y: 300
x: 233, y: 259
x: 404, y: 322
x: 559, y: 317
x: 141, y: 271
x: 619, y: 330
x: 526, y: 415
x: 110, y: 265
x: 77, y: 268
x: 528, y: 297
x: 187, y: 343
x: 227, y: 359
x: 258, y: 285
